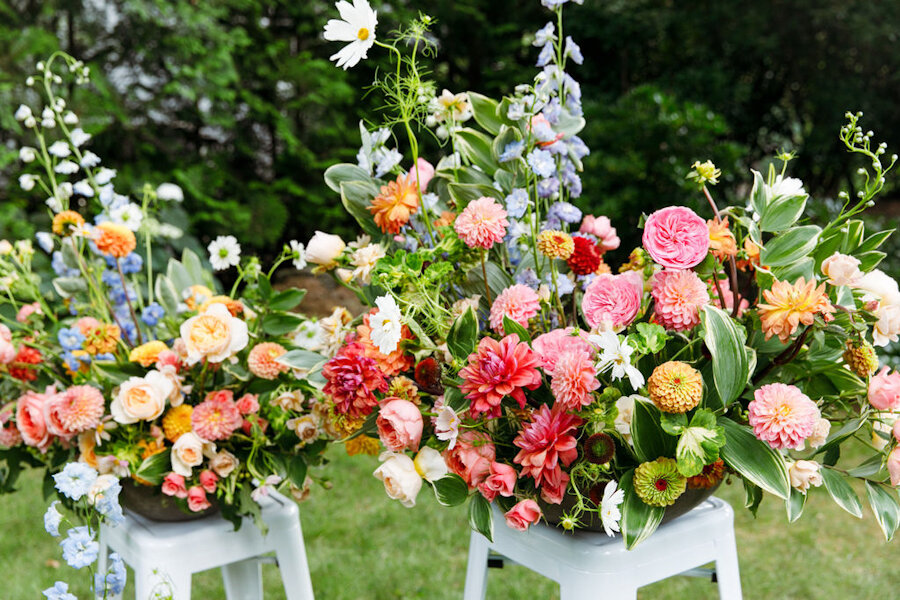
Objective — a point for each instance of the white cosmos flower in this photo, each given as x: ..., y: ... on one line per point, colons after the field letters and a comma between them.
x: 129, y: 215
x: 79, y: 137
x: 446, y: 425
x: 386, y: 324
x: 169, y: 192
x: 356, y: 26
x: 609, y: 507
x: 66, y: 167
x: 59, y: 149
x: 224, y: 252
x: 27, y: 154
x: 299, y: 254
x: 615, y: 356
x: 786, y: 187
x: 309, y: 336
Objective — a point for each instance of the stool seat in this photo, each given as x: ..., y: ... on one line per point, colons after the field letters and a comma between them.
x: 591, y: 565
x: 165, y: 555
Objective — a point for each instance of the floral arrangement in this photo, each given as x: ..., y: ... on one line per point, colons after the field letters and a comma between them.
x: 506, y: 361
x: 145, y: 373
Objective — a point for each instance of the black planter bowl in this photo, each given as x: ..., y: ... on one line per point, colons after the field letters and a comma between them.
x: 151, y: 503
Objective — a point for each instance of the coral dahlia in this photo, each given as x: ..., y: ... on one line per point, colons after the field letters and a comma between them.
x: 395, y: 202
x: 678, y: 296
x: 547, y: 444
x: 217, y: 417
x: 787, y: 306
x: 574, y: 379
x: 518, y: 302
x: 77, y: 409
x: 482, y: 223
x: 352, y: 380
x: 263, y: 362
x: 115, y: 240
x: 585, y: 257
x: 782, y: 415
x: 496, y: 370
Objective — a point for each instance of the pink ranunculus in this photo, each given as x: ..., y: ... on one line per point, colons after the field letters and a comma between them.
x: 523, y: 515
x: 173, y: 485
x: 552, y: 344
x: 27, y: 310
x: 400, y: 425
x: 422, y: 173
x: 893, y: 465
x: 7, y: 352
x: 782, y: 415
x: 676, y: 237
x: 31, y: 421
x: 471, y: 457
x: 208, y: 481
x: 196, y: 498
x: 248, y: 404
x: 602, y: 229
x: 613, y: 301
x: 884, y: 390
x: 502, y: 481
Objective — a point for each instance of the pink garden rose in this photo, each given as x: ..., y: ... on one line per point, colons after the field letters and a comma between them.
x: 399, y: 425
x: 502, y: 481
x: 471, y: 457
x: 552, y: 344
x: 676, y: 237
x: 7, y: 352
x: 602, y: 229
x: 208, y: 481
x: 523, y: 515
x: 31, y: 421
x: 613, y: 301
x: 884, y: 390
x: 196, y: 498
x: 248, y: 404
x: 173, y: 485
x: 842, y: 269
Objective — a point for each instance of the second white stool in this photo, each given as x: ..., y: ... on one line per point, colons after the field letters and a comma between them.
x: 591, y: 565
x: 165, y: 555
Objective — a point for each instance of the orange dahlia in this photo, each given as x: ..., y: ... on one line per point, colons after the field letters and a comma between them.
x: 116, y: 240
x: 721, y: 240
x: 263, y: 360
x: 711, y: 475
x: 146, y: 354
x: 390, y: 364
x: 67, y: 221
x: 787, y: 306
x: 675, y: 387
x: 751, y: 250
x: 395, y: 203
x: 362, y: 444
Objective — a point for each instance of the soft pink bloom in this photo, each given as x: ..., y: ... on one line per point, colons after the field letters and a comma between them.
x: 676, y: 237
x: 77, y: 409
x: 31, y: 421
x: 173, y: 485
x: 496, y: 370
x: 502, y: 481
x: 85, y: 324
x: 554, y: 487
x: 422, y: 173
x: 482, y: 223
x: 893, y: 465
x: 552, y: 344
x: 5, y: 333
x: 248, y: 404
x: 263, y: 360
x: 518, y: 302
x: 884, y: 390
x: 841, y: 269
x: 196, y: 498
x: 896, y: 430
x: 9, y: 435
x: 168, y: 358
x: 782, y: 415
x: 523, y: 515
x: 547, y: 444
x: 27, y: 310
x: 729, y: 297
x: 471, y: 457
x: 399, y: 425
x: 574, y: 379
x: 217, y: 417
x: 208, y: 480
x: 678, y: 296
x: 7, y: 352
x: 613, y: 301
x: 602, y: 229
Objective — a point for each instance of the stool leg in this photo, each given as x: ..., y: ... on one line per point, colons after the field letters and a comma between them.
x: 291, y: 554
x: 243, y: 580
x: 592, y: 587
x: 477, y: 569
x: 727, y: 571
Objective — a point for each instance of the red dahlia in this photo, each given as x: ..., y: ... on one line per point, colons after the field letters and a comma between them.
x: 353, y: 378
x: 585, y: 258
x: 19, y: 367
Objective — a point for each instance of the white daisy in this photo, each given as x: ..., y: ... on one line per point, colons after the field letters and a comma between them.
x: 169, y: 192
x: 309, y: 336
x: 298, y: 252
x: 609, y: 507
x: 356, y: 27
x: 615, y: 356
x: 59, y: 149
x: 386, y: 324
x: 129, y: 215
x: 224, y: 252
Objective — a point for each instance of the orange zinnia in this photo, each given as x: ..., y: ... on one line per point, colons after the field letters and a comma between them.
x: 789, y: 305
x: 114, y: 239
x: 395, y: 203
x: 721, y: 240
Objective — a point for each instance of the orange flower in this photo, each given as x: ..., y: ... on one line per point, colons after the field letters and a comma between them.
x: 235, y: 307
x: 150, y: 447
x: 445, y: 220
x: 787, y: 306
x: 146, y: 354
x: 752, y: 252
x: 721, y: 240
x: 390, y: 364
x: 66, y: 221
x: 116, y: 240
x: 101, y: 339
x: 395, y: 203
x: 362, y: 444
x: 555, y: 244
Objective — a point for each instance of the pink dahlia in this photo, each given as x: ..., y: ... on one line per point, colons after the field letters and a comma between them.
x: 678, y: 296
x: 729, y: 296
x: 482, y: 223
x: 518, y: 302
x: 496, y: 370
x: 613, y: 301
x: 676, y: 237
x: 574, y: 379
x: 77, y: 409
x: 546, y: 443
x: 352, y: 380
x: 471, y: 457
x: 217, y: 417
x: 782, y: 415
x: 552, y: 344
x: 602, y: 229
x: 263, y: 362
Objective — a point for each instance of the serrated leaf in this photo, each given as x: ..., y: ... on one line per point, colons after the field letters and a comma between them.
x: 639, y: 520
x: 451, y: 490
x: 754, y: 459
x: 884, y: 506
x: 841, y: 492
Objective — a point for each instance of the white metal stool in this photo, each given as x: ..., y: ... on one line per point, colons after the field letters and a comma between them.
x: 171, y: 552
x: 590, y: 565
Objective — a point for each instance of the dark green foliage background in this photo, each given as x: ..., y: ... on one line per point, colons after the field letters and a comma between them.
x: 236, y: 101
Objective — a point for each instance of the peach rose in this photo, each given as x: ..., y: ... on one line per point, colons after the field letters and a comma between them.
x: 196, y: 498
x: 523, y: 515
x: 30, y: 419
x: 223, y: 463
x: 141, y: 398
x: 819, y: 434
x: 173, y: 485
x: 472, y: 456
x: 188, y: 451
x: 884, y: 390
x: 208, y: 480
x: 399, y: 425
x: 401, y: 481
x: 213, y: 335
x: 805, y: 473
x: 841, y: 269
x: 324, y: 248
x: 502, y: 481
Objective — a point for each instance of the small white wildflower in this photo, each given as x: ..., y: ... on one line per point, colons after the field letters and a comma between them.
x: 45, y: 241
x: 27, y: 154
x: 89, y: 160
x: 129, y: 215
x: 66, y: 167
x: 104, y: 176
x: 48, y: 118
x: 169, y: 192
x: 224, y: 252
x: 22, y: 113
x: 59, y: 149
x: 79, y: 137
x: 83, y: 188
x: 70, y: 118
x: 27, y: 182
x: 298, y: 252
x: 53, y: 204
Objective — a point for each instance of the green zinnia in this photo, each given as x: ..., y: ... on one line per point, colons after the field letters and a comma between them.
x: 659, y: 483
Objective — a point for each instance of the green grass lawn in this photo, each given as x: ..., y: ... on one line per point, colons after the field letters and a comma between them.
x: 361, y: 545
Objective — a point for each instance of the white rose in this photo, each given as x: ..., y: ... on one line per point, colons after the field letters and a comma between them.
x: 805, y: 473
x: 887, y: 328
x: 880, y: 286
x: 401, y: 481
x: 141, y: 398
x: 842, y: 269
x: 430, y: 464
x: 324, y: 248
x: 214, y: 335
x: 188, y: 451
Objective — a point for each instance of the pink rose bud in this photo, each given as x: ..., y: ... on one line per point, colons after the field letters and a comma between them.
x: 399, y: 425
x: 27, y: 310
x: 196, y: 498
x: 208, y: 480
x: 173, y: 485
x: 423, y: 173
x: 884, y: 390
x: 502, y: 481
x: 523, y: 515
x: 676, y: 237
x: 248, y: 404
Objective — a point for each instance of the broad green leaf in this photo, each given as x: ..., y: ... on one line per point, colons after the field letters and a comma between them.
x: 794, y: 505
x: 805, y: 268
x: 753, y: 495
x: 782, y: 212
x: 855, y: 229
x: 649, y: 439
x: 639, y: 520
x: 506, y: 137
x: 485, y: 112
x: 841, y: 492
x: 754, y: 459
x: 477, y: 148
x: 758, y: 198
x: 725, y: 340
x: 335, y: 175
x: 281, y: 323
x: 301, y: 359
x: 463, y: 193
x: 166, y: 294
x: 884, y: 506
x: 699, y: 443
x: 463, y: 335
x: 356, y: 197
x: 870, y: 260
x: 498, y: 280
x: 296, y: 470
x: 155, y: 467
x: 874, y: 241
x: 480, y: 516
x: 837, y: 437
x: 287, y: 299
x: 179, y: 276
x: 510, y: 327
x: 69, y: 286
x: 790, y: 246
x: 451, y: 490
x: 194, y: 266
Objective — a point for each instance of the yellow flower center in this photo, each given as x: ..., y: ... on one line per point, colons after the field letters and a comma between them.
x: 208, y: 333
x: 362, y: 34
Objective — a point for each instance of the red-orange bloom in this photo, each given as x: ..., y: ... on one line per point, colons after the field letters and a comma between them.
x: 499, y: 369
x: 353, y: 378
x: 116, y: 240
x: 395, y: 203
